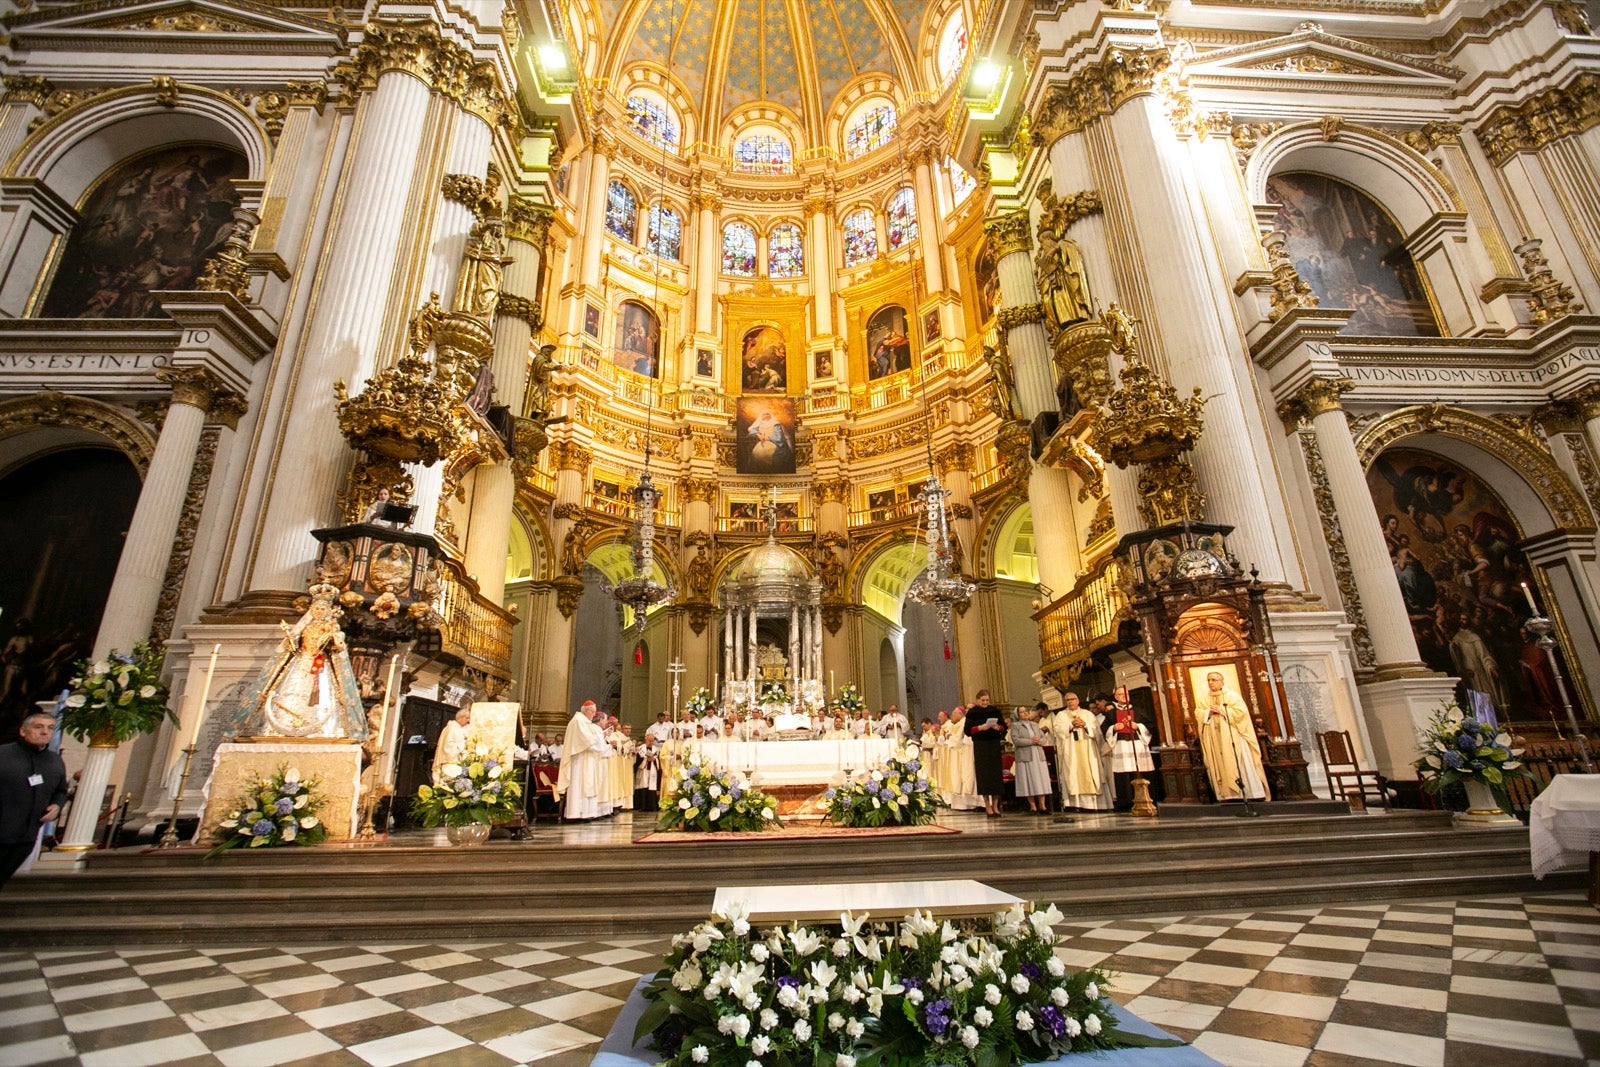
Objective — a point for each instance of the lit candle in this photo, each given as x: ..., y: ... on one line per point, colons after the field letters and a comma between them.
x: 383, y: 708
x: 832, y: 689
x: 205, y: 693
x: 1529, y: 594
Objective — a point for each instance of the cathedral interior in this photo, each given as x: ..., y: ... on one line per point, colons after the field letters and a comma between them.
x: 1017, y: 346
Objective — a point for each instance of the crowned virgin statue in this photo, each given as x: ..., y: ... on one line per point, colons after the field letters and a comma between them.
x: 309, y: 689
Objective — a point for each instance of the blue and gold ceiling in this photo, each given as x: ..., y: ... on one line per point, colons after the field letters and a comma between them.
x: 728, y: 53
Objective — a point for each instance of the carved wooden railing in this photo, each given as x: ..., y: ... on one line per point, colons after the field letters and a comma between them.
x: 475, y: 630
x: 1081, y: 622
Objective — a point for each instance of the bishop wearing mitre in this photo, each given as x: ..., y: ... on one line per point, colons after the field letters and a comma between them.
x: 584, y: 777
x: 1229, y: 743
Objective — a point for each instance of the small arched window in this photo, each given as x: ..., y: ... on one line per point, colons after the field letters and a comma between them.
x: 860, y: 237
x: 786, y: 254
x: 902, y: 218
x: 654, y: 121
x: 952, y: 47
x: 874, y: 129
x: 666, y: 232
x: 738, y: 249
x: 622, y: 211
x: 763, y: 153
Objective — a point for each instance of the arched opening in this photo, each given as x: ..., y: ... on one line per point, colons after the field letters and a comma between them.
x: 61, y: 535
x: 605, y: 642
x: 888, y: 675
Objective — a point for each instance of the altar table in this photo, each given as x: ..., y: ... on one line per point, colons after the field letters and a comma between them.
x: 336, y: 765
x: 1564, y: 828
x: 787, y: 763
x: 950, y: 898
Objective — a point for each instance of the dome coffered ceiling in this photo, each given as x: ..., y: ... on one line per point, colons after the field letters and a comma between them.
x: 800, y: 54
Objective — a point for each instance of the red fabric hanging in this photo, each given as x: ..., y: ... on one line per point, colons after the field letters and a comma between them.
x: 638, y: 654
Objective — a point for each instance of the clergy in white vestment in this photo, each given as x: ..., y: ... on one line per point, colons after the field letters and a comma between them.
x: 584, y: 767
x: 711, y: 725
x: 1080, y: 763
x: 660, y: 731
x: 960, y: 775
x: 557, y: 747
x: 1229, y: 743
x: 858, y: 725
x: 452, y: 740
x: 621, y: 741
x: 892, y: 725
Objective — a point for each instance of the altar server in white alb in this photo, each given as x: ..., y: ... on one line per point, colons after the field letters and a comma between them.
x: 583, y: 780
x: 892, y: 725
x: 452, y: 740
x: 1130, y: 748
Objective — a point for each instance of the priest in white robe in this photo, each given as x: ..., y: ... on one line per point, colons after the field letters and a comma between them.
x: 583, y: 780
x: 1080, y: 763
x: 452, y: 740
x: 893, y: 725
x: 1229, y: 743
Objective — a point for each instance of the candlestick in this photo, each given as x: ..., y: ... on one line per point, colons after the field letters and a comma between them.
x: 1529, y: 594
x: 205, y: 693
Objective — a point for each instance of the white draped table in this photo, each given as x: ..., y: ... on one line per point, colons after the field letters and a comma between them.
x: 1564, y: 828
x: 788, y: 763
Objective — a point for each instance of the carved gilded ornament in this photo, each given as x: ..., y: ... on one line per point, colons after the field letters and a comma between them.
x: 1083, y: 353
x: 1005, y: 401
x: 1588, y: 475
x: 528, y: 440
x: 955, y: 457
x: 1247, y: 136
x: 570, y: 456
x: 702, y: 490
x: 569, y: 590
x: 1008, y: 233
x: 1333, y: 534
x: 528, y: 221
x: 1430, y: 136
x: 227, y: 408
x: 1289, y: 290
x: 1011, y: 443
x: 166, y: 88
x: 1550, y: 298
x: 1097, y: 91
x: 1316, y: 397
x: 418, y: 49
x: 26, y: 89
x: 113, y: 424
x: 228, y: 270
x: 830, y: 490
x: 1009, y: 318
x: 1542, y: 119
x: 1587, y: 401
x: 1533, y: 460
x: 1103, y: 524
x: 194, y: 386
x: 1573, y: 15
x: 1087, y: 463
x: 520, y: 307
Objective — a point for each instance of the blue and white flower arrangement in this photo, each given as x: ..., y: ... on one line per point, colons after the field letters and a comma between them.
x: 897, y: 793
x: 280, y: 810
x: 1456, y: 747
x: 706, y: 800
x: 478, y: 789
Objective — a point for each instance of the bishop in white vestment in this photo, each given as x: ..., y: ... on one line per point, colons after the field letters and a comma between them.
x: 583, y: 780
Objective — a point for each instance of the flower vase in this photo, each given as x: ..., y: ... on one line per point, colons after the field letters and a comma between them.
x: 472, y: 833
x: 1482, y: 808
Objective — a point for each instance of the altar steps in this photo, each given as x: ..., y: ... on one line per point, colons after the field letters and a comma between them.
x: 523, y: 891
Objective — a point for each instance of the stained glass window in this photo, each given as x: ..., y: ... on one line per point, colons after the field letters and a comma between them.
x: 952, y: 48
x: 738, y: 249
x: 763, y: 153
x: 666, y: 232
x: 902, y: 220
x: 653, y: 121
x: 622, y: 211
x: 874, y: 130
x: 786, y: 252
x: 860, y: 237
x: 961, y: 183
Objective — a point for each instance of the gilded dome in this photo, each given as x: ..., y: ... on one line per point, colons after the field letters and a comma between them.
x: 772, y: 562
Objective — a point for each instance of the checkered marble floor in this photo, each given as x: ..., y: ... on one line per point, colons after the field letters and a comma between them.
x: 1490, y: 981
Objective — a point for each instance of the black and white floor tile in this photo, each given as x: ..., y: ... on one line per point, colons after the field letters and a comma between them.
x: 1490, y: 981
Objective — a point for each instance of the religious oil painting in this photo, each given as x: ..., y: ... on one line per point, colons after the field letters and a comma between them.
x: 1455, y: 553
x: 150, y: 224
x: 591, y: 320
x: 824, y: 363
x: 638, y: 340
x: 888, y: 342
x: 930, y: 326
x: 1352, y: 255
x: 704, y: 363
x: 764, y: 361
x: 766, y: 435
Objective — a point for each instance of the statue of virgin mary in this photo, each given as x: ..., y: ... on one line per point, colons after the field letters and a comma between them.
x: 309, y: 688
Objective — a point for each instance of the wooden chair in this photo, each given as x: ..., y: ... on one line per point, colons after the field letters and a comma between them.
x: 1345, y: 777
x: 544, y: 789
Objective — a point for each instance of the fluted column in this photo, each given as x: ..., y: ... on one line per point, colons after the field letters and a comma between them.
x: 1388, y: 623
x: 594, y: 213
x: 750, y: 645
x: 494, y: 488
x: 342, y: 338
x: 819, y: 256
x: 1021, y: 315
x: 142, y: 567
x: 706, y: 261
x: 1588, y: 401
x: 928, y: 221
x: 728, y: 614
x: 571, y: 462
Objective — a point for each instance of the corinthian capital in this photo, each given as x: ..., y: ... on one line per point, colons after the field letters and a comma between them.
x: 1009, y: 233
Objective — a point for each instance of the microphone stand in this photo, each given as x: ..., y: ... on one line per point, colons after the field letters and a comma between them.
x: 1247, y: 812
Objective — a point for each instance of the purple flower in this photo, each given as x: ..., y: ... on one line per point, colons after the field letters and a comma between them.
x: 1031, y: 971
x: 789, y: 980
x: 698, y: 799
x: 692, y: 770
x: 829, y: 794
x: 911, y: 981
x: 490, y: 764
x: 284, y: 806
x: 463, y: 784
x: 936, y: 1016
x: 1050, y: 1016
x: 262, y: 828
x: 1452, y: 760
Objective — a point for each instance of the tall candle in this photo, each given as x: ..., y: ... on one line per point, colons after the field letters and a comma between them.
x: 205, y: 693
x: 1529, y: 594
x: 832, y: 690
x: 383, y: 708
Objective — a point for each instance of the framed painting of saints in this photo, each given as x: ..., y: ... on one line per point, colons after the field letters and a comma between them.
x: 766, y: 428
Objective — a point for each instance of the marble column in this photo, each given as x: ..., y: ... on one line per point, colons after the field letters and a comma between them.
x: 494, y: 488
x: 706, y: 261
x: 342, y: 338
x: 819, y: 254
x: 751, y: 645
x: 1388, y: 623
x: 1588, y: 402
x: 571, y: 462
x: 928, y: 221
x: 1021, y: 315
x: 728, y: 640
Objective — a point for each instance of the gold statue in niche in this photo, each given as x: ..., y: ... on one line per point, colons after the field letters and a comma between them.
x: 1062, y: 288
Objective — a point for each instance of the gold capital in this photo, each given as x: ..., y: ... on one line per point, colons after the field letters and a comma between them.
x: 196, y: 386
x: 1316, y: 397
x: 1009, y: 233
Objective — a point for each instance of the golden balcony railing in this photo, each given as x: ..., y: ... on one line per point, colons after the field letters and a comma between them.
x: 476, y: 631
x: 623, y: 508
x: 730, y: 524
x: 1082, y: 622
x: 895, y: 512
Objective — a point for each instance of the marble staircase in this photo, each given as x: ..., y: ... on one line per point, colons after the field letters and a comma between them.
x: 528, y: 890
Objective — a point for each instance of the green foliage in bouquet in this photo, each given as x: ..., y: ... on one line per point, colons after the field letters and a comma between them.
x: 699, y: 798
x: 1458, y: 748
x: 895, y: 794
x: 774, y: 694
x: 479, y: 789
x: 280, y: 810
x: 849, y: 698
x: 120, y: 695
x: 699, y: 703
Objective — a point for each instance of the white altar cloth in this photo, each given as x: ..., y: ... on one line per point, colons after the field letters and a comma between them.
x: 776, y: 763
x: 1564, y: 823
x: 886, y: 901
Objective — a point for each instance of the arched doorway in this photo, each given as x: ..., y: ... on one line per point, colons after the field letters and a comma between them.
x: 925, y: 680
x: 605, y: 642
x: 61, y: 535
